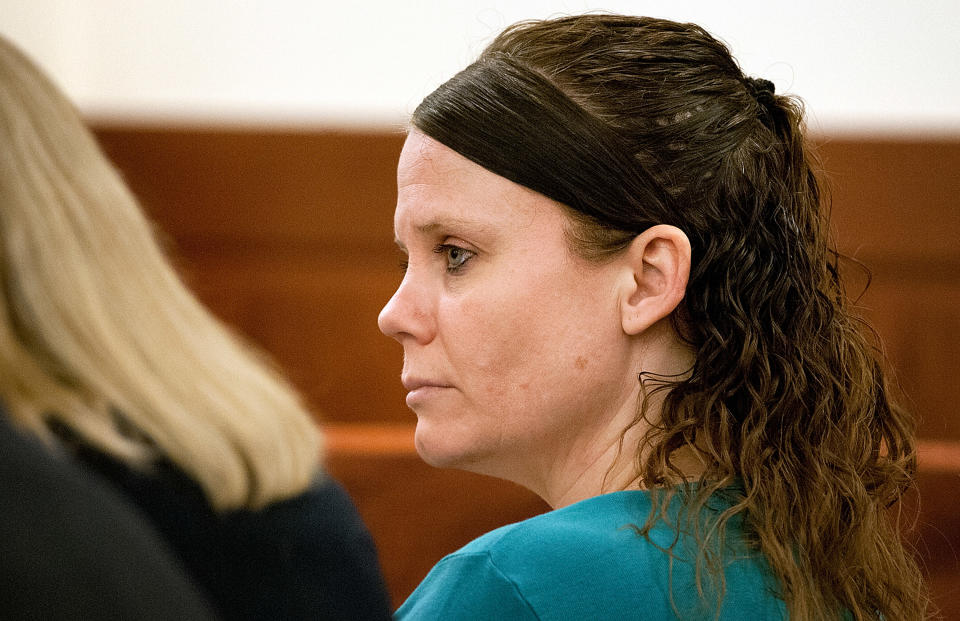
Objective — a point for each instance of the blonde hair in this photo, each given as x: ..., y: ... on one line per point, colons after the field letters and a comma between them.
x: 98, y: 333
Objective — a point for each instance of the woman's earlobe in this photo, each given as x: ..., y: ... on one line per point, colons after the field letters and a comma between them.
x: 658, y: 262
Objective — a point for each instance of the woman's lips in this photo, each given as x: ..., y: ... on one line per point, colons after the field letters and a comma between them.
x: 420, y: 390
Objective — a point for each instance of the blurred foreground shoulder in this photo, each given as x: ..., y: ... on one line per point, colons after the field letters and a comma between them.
x: 71, y: 548
x: 309, y: 556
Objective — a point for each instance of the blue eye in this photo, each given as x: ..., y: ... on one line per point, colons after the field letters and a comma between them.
x: 457, y: 257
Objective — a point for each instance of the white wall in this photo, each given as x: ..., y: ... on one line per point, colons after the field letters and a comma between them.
x: 891, y: 66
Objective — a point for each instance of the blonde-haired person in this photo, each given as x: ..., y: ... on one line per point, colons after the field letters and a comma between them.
x: 110, y: 359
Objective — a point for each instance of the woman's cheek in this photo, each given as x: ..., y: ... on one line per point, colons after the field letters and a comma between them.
x: 485, y: 334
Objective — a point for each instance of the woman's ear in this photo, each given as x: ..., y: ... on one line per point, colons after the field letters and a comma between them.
x: 658, y: 266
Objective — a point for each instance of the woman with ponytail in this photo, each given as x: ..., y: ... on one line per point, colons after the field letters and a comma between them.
x: 619, y: 293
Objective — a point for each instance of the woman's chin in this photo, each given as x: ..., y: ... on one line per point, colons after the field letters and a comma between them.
x: 435, y: 451
x: 443, y: 450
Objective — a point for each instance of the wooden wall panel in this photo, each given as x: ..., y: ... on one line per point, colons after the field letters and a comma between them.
x: 896, y: 200
x: 919, y: 320
x: 251, y: 192
x: 896, y: 208
x: 318, y: 319
x: 287, y: 235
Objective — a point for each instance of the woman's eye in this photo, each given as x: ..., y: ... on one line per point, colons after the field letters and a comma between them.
x: 456, y: 256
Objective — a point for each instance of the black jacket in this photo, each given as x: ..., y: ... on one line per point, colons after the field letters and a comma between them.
x: 310, y: 557
x: 72, y: 548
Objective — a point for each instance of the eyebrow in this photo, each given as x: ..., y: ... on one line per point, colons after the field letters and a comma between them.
x: 447, y: 223
x: 431, y: 226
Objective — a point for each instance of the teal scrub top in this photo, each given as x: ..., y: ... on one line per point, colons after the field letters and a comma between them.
x: 586, y: 561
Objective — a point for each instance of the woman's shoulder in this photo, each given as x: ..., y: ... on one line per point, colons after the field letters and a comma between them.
x: 579, y: 530
x: 583, y: 561
x: 587, y: 560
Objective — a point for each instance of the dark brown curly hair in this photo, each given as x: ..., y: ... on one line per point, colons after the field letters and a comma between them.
x: 631, y: 122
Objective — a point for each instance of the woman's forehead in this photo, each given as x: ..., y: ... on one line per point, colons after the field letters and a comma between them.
x: 424, y: 160
x: 437, y: 188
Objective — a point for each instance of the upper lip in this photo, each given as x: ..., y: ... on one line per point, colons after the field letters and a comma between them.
x: 412, y: 383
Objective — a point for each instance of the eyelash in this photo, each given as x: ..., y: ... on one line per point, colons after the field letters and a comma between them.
x: 447, y: 249
x: 442, y: 249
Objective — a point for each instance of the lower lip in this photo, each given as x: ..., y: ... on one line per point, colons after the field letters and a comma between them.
x: 419, y: 395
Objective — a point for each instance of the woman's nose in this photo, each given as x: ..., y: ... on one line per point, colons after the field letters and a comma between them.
x: 405, y: 314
